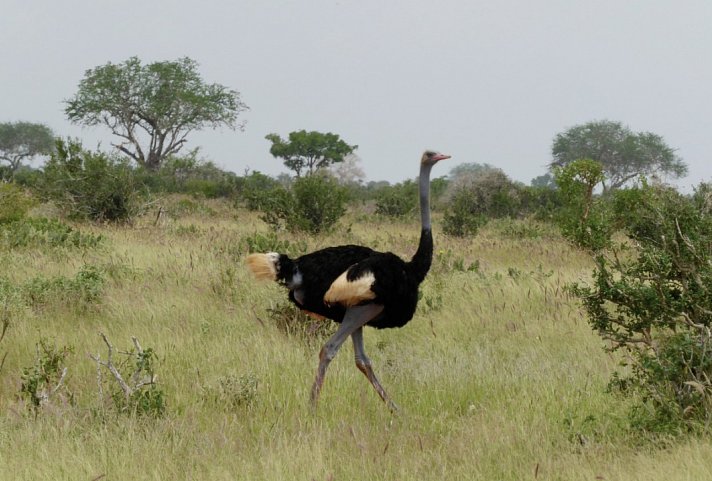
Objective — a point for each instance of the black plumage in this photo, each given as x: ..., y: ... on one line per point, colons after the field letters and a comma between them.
x: 395, y: 287
x: 356, y: 286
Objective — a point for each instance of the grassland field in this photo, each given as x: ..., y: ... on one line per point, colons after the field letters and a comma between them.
x: 498, y: 376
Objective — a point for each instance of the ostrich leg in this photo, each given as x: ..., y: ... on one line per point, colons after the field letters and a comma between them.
x: 354, y: 319
x: 364, y: 365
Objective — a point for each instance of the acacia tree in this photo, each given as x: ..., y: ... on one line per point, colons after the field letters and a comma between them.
x: 152, y: 108
x: 624, y: 154
x: 20, y: 141
x: 309, y: 151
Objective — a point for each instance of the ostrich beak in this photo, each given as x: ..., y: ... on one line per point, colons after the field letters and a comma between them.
x: 440, y: 157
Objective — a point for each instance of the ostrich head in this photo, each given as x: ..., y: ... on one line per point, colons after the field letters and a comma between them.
x: 431, y: 158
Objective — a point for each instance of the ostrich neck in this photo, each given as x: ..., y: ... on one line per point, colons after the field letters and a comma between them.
x: 424, y: 186
x: 424, y: 255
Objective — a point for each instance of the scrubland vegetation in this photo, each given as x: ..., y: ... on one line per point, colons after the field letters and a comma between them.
x: 499, y: 375
x: 563, y: 332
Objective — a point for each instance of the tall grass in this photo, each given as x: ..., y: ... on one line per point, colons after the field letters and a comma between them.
x: 498, y: 376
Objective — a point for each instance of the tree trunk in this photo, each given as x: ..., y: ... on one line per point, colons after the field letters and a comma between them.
x: 153, y: 162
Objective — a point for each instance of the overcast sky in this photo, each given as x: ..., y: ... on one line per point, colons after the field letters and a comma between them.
x: 486, y: 81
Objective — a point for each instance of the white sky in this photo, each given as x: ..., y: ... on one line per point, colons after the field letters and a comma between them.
x: 486, y: 81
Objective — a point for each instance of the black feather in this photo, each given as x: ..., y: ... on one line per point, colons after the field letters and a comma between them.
x: 396, y: 285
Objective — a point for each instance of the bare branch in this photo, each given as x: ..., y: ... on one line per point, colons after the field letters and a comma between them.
x: 112, y: 369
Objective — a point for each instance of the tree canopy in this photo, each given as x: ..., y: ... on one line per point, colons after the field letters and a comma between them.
x: 544, y: 181
x: 20, y: 141
x: 152, y: 108
x: 470, y: 169
x: 623, y: 153
x: 348, y: 172
x: 309, y: 151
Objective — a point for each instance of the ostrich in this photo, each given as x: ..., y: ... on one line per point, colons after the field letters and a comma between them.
x: 356, y: 286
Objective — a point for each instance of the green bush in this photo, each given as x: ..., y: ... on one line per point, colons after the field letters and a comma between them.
x: 463, y: 217
x: 652, y: 298
x: 40, y: 232
x: 91, y: 185
x: 14, y: 203
x: 585, y: 220
x: 314, y: 204
x: 476, y: 198
x: 397, y: 200
x: 542, y: 203
x: 190, y: 175
x: 83, y: 290
x: 45, y: 378
x: 256, y: 190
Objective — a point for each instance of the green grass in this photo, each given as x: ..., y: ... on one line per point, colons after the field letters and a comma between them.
x: 498, y: 377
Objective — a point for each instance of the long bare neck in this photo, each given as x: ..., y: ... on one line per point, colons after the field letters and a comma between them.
x: 420, y: 263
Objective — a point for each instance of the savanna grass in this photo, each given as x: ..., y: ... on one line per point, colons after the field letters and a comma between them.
x: 498, y: 376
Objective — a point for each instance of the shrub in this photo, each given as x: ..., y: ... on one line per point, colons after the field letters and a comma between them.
x: 45, y: 378
x: 90, y: 185
x: 397, y: 200
x: 474, y: 199
x: 83, y: 290
x: 314, y: 204
x: 256, y: 190
x: 584, y: 219
x: 42, y: 232
x: 191, y: 175
x: 462, y: 217
x: 14, y: 203
x: 653, y: 300
x: 541, y: 202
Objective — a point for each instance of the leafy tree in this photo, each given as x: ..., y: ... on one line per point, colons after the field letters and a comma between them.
x: 545, y: 181
x: 20, y: 141
x: 309, y: 151
x: 152, y: 107
x: 624, y: 154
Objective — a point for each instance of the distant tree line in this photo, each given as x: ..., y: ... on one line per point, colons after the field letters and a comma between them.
x: 151, y: 109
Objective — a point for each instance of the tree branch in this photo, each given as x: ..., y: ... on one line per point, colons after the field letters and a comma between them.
x: 112, y: 369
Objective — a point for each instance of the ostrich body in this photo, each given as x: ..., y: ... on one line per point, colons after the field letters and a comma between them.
x: 356, y: 286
